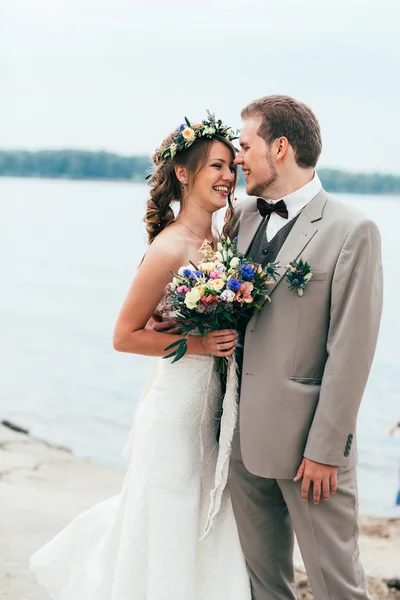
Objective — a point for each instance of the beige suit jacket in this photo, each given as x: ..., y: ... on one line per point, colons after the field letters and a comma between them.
x: 307, y: 359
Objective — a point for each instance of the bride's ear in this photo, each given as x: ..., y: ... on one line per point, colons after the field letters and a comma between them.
x: 181, y: 174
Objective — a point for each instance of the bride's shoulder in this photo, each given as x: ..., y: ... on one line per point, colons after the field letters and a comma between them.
x: 168, y: 247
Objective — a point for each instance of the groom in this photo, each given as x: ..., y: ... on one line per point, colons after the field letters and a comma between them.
x: 306, y: 362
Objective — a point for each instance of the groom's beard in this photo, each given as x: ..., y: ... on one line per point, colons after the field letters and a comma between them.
x: 261, y: 189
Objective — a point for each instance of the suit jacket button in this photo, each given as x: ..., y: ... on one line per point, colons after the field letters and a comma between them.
x: 346, y: 453
x: 265, y: 251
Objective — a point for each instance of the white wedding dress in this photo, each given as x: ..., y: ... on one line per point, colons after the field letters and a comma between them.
x: 171, y: 533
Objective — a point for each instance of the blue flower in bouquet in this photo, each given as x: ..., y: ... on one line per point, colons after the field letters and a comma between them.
x: 247, y: 272
x: 187, y: 272
x: 234, y: 285
x: 182, y: 127
x: 198, y: 274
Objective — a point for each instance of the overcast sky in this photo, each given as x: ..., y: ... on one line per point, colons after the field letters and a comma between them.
x: 120, y: 74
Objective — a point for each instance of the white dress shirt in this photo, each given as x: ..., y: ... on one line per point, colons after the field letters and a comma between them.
x: 295, y: 202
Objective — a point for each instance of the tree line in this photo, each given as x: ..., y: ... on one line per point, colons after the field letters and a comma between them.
x: 82, y: 164
x: 73, y: 164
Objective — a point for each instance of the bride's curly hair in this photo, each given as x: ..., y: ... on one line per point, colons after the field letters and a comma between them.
x: 166, y: 188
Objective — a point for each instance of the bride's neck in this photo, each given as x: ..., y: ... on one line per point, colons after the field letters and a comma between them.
x: 198, y: 220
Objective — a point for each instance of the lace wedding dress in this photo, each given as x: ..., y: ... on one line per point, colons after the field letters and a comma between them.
x: 171, y: 533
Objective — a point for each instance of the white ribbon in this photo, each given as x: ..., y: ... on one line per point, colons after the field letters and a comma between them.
x: 228, y: 424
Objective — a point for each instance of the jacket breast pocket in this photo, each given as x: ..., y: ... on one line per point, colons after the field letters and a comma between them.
x: 318, y: 276
x: 307, y: 380
x: 312, y: 329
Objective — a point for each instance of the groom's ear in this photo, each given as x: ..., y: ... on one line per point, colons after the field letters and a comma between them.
x: 281, y: 148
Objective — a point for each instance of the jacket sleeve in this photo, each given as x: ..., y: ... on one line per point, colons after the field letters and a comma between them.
x: 355, y: 313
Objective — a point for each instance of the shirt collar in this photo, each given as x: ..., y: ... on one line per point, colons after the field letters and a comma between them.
x: 298, y: 199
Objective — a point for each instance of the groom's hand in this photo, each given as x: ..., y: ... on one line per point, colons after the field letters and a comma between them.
x: 323, y: 477
x: 156, y: 323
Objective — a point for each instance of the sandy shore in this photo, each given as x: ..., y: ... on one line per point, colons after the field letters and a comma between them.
x: 42, y: 488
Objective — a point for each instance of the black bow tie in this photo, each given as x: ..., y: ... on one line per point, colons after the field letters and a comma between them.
x: 266, y: 209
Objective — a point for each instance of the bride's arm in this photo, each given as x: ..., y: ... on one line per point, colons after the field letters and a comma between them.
x: 130, y: 333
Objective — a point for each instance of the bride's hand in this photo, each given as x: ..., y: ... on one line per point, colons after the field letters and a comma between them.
x: 220, y: 342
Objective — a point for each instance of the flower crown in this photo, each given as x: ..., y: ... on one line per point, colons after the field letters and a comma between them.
x: 187, y: 134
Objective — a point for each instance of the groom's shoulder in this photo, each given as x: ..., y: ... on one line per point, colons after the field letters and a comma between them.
x: 245, y: 205
x: 344, y: 221
x: 343, y: 211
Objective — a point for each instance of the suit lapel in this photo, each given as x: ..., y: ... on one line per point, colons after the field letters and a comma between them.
x: 249, y: 224
x: 305, y: 228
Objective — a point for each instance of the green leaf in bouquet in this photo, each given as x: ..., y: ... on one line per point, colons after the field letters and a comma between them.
x: 180, y: 315
x: 228, y: 317
x: 181, y: 351
x: 171, y: 354
x: 173, y: 345
x: 221, y: 364
x: 187, y: 122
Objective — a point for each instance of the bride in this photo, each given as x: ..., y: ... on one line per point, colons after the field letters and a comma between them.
x: 170, y: 534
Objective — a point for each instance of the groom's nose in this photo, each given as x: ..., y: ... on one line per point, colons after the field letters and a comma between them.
x: 239, y: 158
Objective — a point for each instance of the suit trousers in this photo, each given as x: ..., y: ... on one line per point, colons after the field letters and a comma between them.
x: 269, y: 511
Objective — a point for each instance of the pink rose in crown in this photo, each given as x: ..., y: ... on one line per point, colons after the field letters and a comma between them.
x: 244, y: 293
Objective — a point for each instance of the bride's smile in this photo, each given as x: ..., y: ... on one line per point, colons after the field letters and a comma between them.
x: 211, y: 185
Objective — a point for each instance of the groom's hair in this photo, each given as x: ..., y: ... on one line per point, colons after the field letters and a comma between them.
x: 283, y: 116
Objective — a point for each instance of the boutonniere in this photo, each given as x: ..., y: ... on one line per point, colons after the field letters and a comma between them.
x: 298, y: 275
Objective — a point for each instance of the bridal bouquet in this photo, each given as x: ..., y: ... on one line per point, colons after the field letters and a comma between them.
x: 223, y: 289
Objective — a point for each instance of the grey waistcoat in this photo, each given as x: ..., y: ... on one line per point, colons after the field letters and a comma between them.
x: 264, y: 252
